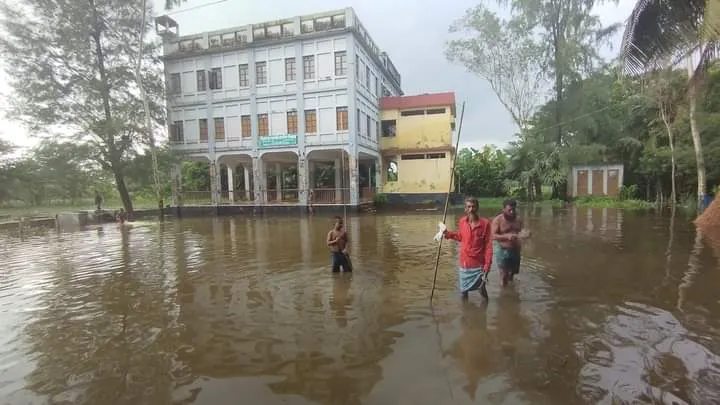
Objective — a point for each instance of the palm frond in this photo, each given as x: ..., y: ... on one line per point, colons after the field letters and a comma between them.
x: 659, y: 30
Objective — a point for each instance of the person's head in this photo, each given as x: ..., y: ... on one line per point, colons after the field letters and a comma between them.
x: 471, y: 207
x: 122, y: 210
x: 509, y: 207
x: 338, y: 223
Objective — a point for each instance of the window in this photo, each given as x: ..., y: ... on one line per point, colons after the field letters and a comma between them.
x: 261, y: 72
x: 244, y: 79
x: 379, y: 130
x: 219, y: 129
x: 310, y: 121
x: 246, y: 126
x: 414, y: 156
x: 367, y: 77
x: 358, y: 125
x: 290, y: 69
x: 341, y: 63
x: 177, y: 132
x: 309, y: 67
x: 263, y: 129
x: 175, y: 83
x: 341, y: 118
x: 216, y: 79
x: 376, y: 87
x: 202, y: 123
x: 435, y: 111
x: 357, y: 67
x: 388, y: 128
x: 201, y: 80
x: 392, y: 171
x: 436, y: 156
x: 368, y: 122
x: 412, y: 112
x: 292, y: 122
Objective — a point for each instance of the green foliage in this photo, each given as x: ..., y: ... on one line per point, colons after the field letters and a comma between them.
x: 380, y: 199
x: 628, y: 192
x: 75, y: 76
x: 606, y: 202
x: 481, y: 173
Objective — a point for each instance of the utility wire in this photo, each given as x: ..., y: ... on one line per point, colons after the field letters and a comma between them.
x: 195, y: 7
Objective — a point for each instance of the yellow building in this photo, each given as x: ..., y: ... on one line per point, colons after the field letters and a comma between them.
x: 416, y: 146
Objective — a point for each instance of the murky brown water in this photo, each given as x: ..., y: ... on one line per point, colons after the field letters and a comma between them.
x: 609, y: 308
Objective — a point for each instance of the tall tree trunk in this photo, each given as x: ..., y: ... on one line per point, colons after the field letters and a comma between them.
x: 697, y: 142
x: 123, y: 191
x: 673, y: 192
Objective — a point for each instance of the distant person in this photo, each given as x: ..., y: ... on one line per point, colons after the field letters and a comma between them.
x: 476, y: 252
x: 507, y: 233
x: 98, y: 200
x: 121, y: 216
x: 337, y: 240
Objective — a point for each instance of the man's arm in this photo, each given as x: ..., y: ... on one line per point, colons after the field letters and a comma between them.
x: 523, y: 233
x: 454, y: 235
x: 330, y: 240
x: 488, y: 247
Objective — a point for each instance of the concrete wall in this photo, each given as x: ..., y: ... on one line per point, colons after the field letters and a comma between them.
x: 427, y: 131
x: 589, y: 169
x: 418, y: 176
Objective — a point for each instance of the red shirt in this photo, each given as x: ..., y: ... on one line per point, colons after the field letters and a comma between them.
x: 475, y: 243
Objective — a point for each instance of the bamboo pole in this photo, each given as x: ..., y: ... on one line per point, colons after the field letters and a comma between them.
x: 447, y: 198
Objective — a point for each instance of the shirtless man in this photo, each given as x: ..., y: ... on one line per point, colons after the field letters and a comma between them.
x: 337, y: 240
x: 507, y: 232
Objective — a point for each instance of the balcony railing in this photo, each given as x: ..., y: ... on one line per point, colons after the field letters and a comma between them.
x: 317, y: 196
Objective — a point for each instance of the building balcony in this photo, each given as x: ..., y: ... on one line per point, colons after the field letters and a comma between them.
x: 236, y: 143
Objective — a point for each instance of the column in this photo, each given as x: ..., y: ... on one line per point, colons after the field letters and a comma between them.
x: 311, y: 174
x: 176, y: 184
x: 246, y: 173
x: 259, y: 177
x: 214, y: 183
x: 338, y: 181
x: 278, y: 181
x: 302, y: 181
x: 378, y: 175
x: 354, y: 179
x: 231, y: 183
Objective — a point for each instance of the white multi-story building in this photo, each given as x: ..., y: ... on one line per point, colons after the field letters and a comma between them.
x: 280, y: 108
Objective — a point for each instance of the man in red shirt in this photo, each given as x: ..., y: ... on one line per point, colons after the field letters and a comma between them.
x: 474, y: 235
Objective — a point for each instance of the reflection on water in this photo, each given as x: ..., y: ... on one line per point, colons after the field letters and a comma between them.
x: 610, y: 307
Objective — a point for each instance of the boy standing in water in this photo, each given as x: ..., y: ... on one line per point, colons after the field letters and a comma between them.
x: 507, y: 232
x: 337, y: 240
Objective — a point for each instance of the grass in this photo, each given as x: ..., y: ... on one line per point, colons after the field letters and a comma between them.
x: 609, y: 202
x: 497, y: 202
x: 14, y: 212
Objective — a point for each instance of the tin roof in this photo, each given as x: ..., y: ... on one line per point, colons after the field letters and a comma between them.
x: 419, y: 101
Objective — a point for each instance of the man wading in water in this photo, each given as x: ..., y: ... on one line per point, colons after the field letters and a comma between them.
x: 507, y: 232
x: 337, y: 240
x: 475, y: 249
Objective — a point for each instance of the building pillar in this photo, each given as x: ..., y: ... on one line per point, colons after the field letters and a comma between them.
x: 278, y: 181
x: 378, y: 175
x: 231, y: 183
x: 246, y: 173
x: 176, y: 184
x: 259, y: 177
x: 354, y: 179
x: 338, y: 181
x: 302, y: 170
x: 214, y: 183
x: 311, y: 174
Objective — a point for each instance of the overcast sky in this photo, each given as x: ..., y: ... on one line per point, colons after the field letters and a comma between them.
x: 412, y: 32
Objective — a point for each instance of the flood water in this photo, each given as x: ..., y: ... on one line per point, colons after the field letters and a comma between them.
x: 610, y: 307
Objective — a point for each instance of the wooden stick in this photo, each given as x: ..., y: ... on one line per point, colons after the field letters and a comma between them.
x: 447, y: 198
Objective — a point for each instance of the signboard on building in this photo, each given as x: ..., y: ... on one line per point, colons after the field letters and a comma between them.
x: 278, y: 141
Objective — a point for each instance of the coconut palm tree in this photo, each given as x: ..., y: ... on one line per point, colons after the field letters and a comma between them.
x: 667, y: 32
